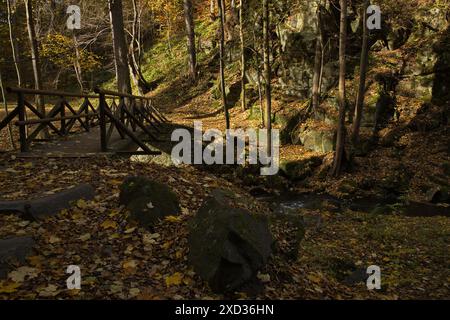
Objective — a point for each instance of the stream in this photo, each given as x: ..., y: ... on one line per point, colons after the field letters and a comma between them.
x: 295, y: 203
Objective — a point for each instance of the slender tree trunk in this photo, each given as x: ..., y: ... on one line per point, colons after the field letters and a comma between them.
x: 341, y: 132
x: 243, y: 67
x: 119, y: 46
x: 222, y: 62
x: 35, y: 62
x: 317, y: 65
x: 135, y: 52
x: 258, y: 70
x: 212, y: 10
x: 190, y: 33
x: 362, y: 77
x: 5, y: 105
x: 268, y: 75
x: 12, y: 38
x: 77, y: 64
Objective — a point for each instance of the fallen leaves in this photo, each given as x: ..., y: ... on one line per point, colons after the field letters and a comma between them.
x: 174, y: 280
x: 8, y: 286
x: 53, y: 239
x: 130, y: 266
x: 85, y: 237
x: 173, y: 219
x: 109, y: 224
x: 49, y: 291
x: 23, y: 273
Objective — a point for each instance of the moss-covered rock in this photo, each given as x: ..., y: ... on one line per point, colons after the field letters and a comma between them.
x: 148, y: 201
x: 300, y: 169
x: 228, y: 245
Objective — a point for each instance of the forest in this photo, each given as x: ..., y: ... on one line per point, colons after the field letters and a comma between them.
x: 224, y: 150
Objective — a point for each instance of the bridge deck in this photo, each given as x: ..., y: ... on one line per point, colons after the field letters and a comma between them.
x: 81, y: 144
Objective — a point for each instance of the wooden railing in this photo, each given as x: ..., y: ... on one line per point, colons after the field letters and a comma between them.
x: 130, y: 113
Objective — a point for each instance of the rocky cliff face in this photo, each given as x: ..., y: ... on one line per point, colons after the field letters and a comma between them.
x: 409, y: 62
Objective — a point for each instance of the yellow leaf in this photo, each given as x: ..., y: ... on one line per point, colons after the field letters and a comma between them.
x: 167, y: 245
x: 28, y: 165
x: 174, y: 280
x: 85, y: 237
x: 173, y: 219
x: 81, y: 204
x: 109, y: 224
x: 8, y: 287
x: 130, y: 230
x: 314, y: 278
x: 131, y: 264
x: 179, y: 254
x: 20, y: 274
x: 115, y: 182
x: 114, y: 213
x: 54, y: 239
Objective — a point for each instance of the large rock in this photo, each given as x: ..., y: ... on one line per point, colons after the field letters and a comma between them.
x: 14, y: 251
x: 317, y: 139
x: 148, y: 201
x: 228, y: 244
x: 297, y: 170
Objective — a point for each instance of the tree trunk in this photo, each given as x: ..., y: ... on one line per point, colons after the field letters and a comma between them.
x: 77, y: 65
x: 5, y: 105
x: 341, y: 132
x: 362, y: 77
x: 212, y: 10
x: 222, y: 62
x: 243, y: 70
x: 268, y: 75
x: 317, y: 65
x: 190, y: 33
x: 14, y: 45
x: 136, y: 53
x: 35, y: 62
x: 119, y: 46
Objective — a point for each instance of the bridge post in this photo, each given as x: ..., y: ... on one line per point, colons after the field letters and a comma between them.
x: 86, y: 111
x: 102, y: 103
x: 63, y: 114
x: 22, y: 128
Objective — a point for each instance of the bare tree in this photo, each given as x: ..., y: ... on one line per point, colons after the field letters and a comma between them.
x: 35, y: 61
x: 135, y: 54
x: 212, y: 10
x: 12, y: 9
x: 341, y: 132
x: 77, y: 64
x: 190, y: 33
x: 267, y: 74
x: 243, y: 70
x: 362, y: 76
x: 5, y: 105
x: 317, y: 64
x: 119, y: 45
x: 222, y: 61
x: 34, y: 48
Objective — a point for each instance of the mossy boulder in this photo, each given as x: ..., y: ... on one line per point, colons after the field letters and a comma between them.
x: 297, y: 170
x: 317, y: 139
x: 228, y: 245
x: 148, y: 201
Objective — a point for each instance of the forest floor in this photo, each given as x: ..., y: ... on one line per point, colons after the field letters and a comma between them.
x: 121, y: 261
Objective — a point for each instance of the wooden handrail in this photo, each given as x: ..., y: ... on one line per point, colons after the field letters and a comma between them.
x: 118, y: 94
x: 49, y: 93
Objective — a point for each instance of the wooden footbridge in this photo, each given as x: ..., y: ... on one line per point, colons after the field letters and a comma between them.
x: 107, y: 122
